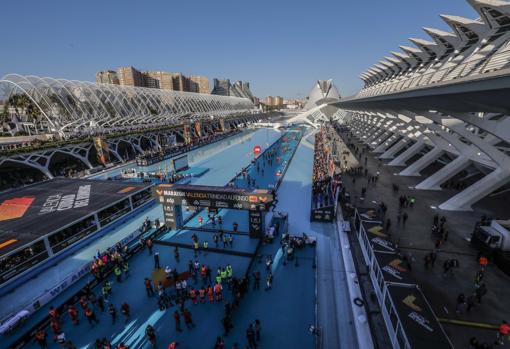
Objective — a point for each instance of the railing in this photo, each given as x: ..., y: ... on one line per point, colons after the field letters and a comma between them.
x: 469, y: 67
x: 396, y: 331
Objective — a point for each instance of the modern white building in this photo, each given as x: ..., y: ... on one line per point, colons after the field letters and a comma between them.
x: 445, y: 97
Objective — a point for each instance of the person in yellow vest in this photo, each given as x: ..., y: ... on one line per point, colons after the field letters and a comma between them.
x: 205, y: 246
x: 195, y: 247
x: 229, y: 271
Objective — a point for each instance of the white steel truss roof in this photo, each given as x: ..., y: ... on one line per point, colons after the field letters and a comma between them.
x: 70, y: 105
x: 473, y: 47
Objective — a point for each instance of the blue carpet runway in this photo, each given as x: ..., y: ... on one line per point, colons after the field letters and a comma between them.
x: 285, y: 312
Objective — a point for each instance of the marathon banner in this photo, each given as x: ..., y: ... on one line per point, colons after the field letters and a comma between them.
x: 393, y: 268
x: 378, y: 237
x: 186, y: 134
x: 102, y: 149
x: 256, y: 224
x: 365, y: 214
x: 422, y: 328
x: 198, y: 129
x: 213, y: 197
x: 323, y: 214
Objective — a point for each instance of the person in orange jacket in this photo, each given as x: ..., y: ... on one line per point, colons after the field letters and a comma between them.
x: 193, y: 295
x: 503, y: 332
x: 201, y: 292
x: 217, y: 291
x: 73, y: 314
x: 210, y: 293
x: 54, y: 315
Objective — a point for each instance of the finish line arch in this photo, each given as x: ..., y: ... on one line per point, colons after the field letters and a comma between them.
x: 174, y: 196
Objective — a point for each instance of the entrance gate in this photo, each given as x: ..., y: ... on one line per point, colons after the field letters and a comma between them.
x: 174, y: 196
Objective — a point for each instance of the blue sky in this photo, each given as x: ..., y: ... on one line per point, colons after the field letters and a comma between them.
x: 280, y: 47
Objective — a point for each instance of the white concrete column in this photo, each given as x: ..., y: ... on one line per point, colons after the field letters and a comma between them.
x: 407, y: 154
x: 415, y: 168
x: 448, y: 171
x: 390, y: 153
x: 463, y: 200
x: 374, y: 133
x: 385, y: 144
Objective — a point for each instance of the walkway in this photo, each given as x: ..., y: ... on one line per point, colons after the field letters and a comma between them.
x: 415, y: 241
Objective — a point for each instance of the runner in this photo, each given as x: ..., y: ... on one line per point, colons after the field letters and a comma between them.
x: 193, y: 295
x: 210, y: 293
x: 217, y: 292
x: 202, y: 295
x: 73, y: 314
x: 151, y: 335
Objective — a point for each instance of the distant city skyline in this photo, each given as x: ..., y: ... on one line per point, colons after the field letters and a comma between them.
x: 281, y: 51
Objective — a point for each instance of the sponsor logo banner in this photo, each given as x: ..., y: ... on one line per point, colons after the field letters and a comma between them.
x: 60, y: 202
x: 15, y: 207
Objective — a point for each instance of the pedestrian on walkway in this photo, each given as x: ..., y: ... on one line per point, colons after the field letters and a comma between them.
x: 269, y: 282
x: 149, y: 245
x: 461, y: 303
x: 73, y: 314
x: 208, y: 272
x: 100, y: 303
x: 124, y: 309
x: 227, y: 325
x: 118, y: 273
x: 470, y: 302
x: 480, y: 292
x: 113, y: 312
x: 151, y: 335
x: 125, y: 268
x: 250, y: 336
x: 210, y: 293
x: 404, y: 218
x: 176, y: 254
x: 256, y: 280
x: 196, y: 247
x: 177, y: 319
x: 41, y: 339
x: 91, y: 317
x: 220, y: 344
x: 188, y: 319
x: 258, y: 328
x: 502, y: 334
x: 217, y: 292
x: 148, y: 287
x: 156, y: 261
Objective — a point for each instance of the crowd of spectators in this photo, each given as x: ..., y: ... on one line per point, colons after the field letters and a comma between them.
x: 322, y: 194
x: 11, y: 177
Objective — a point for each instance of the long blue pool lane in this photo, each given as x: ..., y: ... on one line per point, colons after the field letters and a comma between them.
x: 286, y: 311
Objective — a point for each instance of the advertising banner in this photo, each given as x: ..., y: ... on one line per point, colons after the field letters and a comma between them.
x: 418, y: 319
x: 187, y: 134
x: 214, y: 197
x: 102, y: 149
x: 198, y: 129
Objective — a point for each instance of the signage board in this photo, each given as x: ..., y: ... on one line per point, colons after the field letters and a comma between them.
x: 214, y: 197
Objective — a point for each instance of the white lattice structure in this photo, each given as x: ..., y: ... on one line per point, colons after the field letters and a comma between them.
x: 68, y: 106
x: 475, y: 138
x: 474, y: 47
